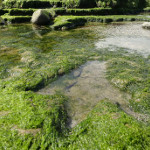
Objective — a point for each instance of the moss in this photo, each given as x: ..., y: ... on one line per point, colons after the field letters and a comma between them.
x: 21, y: 12
x: 68, y: 22
x: 16, y: 19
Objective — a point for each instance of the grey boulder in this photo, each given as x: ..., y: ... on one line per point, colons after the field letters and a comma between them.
x: 146, y: 25
x: 41, y: 17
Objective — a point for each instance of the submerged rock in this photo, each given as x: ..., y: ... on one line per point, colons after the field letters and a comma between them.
x: 41, y: 17
x: 146, y: 25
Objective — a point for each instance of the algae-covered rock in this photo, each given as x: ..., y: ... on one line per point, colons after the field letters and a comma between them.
x: 146, y: 25
x: 41, y: 17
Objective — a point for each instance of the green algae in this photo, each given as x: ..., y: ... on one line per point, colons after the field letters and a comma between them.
x: 9, y: 57
x: 33, y: 121
x: 131, y: 74
x: 36, y: 121
x: 67, y: 22
x: 41, y: 64
x: 107, y: 127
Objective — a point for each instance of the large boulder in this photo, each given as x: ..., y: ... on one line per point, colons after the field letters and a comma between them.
x: 41, y: 17
x: 146, y: 25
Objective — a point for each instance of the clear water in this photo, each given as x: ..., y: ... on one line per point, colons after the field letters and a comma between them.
x: 130, y: 36
x: 85, y: 87
x: 20, y: 44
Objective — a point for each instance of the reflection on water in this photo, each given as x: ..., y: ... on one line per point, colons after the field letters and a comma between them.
x: 85, y: 87
x: 130, y: 36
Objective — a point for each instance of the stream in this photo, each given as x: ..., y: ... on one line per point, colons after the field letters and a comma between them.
x: 87, y: 85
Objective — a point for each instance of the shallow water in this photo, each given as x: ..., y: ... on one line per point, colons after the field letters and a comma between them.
x: 86, y: 86
x: 16, y: 40
x: 20, y: 45
x: 130, y: 36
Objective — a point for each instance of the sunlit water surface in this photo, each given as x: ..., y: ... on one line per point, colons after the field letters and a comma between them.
x: 130, y: 36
